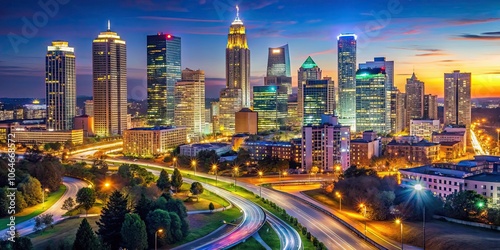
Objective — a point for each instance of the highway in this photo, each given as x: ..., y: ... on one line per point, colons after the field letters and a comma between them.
x: 476, y: 144
x: 73, y: 185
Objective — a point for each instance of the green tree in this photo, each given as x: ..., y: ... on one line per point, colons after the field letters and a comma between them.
x: 211, y: 207
x: 143, y: 206
x: 20, y: 202
x: 169, y: 222
x: 177, y: 206
x: 176, y: 180
x: 68, y: 204
x: 112, y: 218
x: 163, y: 182
x: 32, y: 191
x: 86, y: 198
x: 196, y: 189
x: 22, y: 243
x: 48, y: 171
x: 465, y: 205
x: 85, y: 238
x: 133, y: 232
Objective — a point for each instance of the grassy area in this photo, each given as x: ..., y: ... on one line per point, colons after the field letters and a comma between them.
x: 203, y: 224
x: 249, y: 244
x: 270, y: 236
x: 96, y: 209
x: 62, y: 232
x: 33, y: 211
x: 439, y: 234
x: 204, y: 199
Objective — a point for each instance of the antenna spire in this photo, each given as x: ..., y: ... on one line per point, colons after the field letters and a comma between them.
x: 237, y: 11
x: 109, y: 25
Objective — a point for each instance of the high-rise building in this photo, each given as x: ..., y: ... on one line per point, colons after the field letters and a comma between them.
x: 371, y: 101
x: 278, y: 68
x: 457, y: 98
x: 308, y: 71
x: 230, y: 103
x: 60, y: 86
x: 319, y: 99
x: 380, y: 62
x: 393, y: 116
x: 238, y: 61
x: 190, y: 103
x: 109, y: 72
x: 163, y: 71
x: 430, y: 107
x: 346, y: 108
x: 270, y: 102
x: 400, y: 112
x: 89, y: 108
x: 326, y: 146
x: 415, y: 90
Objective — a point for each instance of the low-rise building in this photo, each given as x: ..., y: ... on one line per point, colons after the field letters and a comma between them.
x: 246, y: 122
x: 152, y: 141
x: 40, y: 136
x: 424, y: 128
x: 450, y: 150
x: 85, y: 123
x: 192, y: 150
x: 422, y: 152
x: 451, y: 136
x: 259, y: 150
x: 365, y: 148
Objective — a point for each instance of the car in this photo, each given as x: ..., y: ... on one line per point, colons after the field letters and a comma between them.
x: 135, y: 159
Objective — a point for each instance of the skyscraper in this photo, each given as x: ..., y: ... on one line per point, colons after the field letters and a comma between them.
x: 371, y: 101
x: 430, y: 107
x: 163, y: 71
x: 319, y: 99
x: 415, y: 90
x: 278, y: 68
x: 308, y: 71
x: 230, y: 103
x: 109, y: 73
x: 457, y: 98
x: 270, y: 102
x: 238, y: 60
x: 60, y: 86
x: 190, y: 102
x: 400, y: 112
x: 346, y: 108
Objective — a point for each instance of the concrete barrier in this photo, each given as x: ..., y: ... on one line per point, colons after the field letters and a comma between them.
x: 468, y: 223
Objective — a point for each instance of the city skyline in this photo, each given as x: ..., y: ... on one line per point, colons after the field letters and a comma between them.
x: 417, y: 36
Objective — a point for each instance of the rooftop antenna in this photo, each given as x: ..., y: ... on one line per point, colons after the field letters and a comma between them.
x: 237, y: 11
x: 109, y: 25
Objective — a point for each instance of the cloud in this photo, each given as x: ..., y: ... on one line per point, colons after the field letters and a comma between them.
x: 412, y: 32
x: 324, y: 52
x: 474, y: 21
x: 432, y: 54
x: 446, y: 61
x: 180, y: 19
x: 493, y: 73
x: 260, y: 5
x: 477, y: 37
x: 495, y: 33
x: 415, y: 48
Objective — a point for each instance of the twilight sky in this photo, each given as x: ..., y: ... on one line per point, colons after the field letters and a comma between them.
x: 429, y: 36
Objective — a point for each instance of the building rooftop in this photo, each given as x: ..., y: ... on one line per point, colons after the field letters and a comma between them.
x: 437, y: 171
x: 207, y: 145
x: 309, y: 63
x: 448, y: 133
x: 422, y: 143
x: 449, y: 143
x: 245, y: 110
x: 485, y: 177
x: 269, y: 143
x: 155, y: 128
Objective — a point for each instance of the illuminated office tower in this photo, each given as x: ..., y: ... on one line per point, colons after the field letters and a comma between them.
x: 89, y: 108
x: 400, y: 112
x: 308, y: 71
x: 270, y: 102
x: 238, y: 60
x: 371, y: 101
x: 380, y: 62
x: 190, y: 103
x: 319, y: 99
x: 415, y: 90
x: 163, y: 71
x: 60, y: 86
x: 457, y: 99
x: 278, y: 68
x: 430, y: 107
x: 109, y: 73
x: 346, y: 108
x: 230, y: 103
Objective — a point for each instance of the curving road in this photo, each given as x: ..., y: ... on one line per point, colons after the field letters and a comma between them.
x: 289, y: 237
x: 72, y: 187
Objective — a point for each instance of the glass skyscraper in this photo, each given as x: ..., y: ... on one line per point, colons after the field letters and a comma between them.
x: 346, y: 108
x: 60, y: 86
x: 319, y: 99
x: 271, y: 104
x: 109, y: 73
x: 278, y: 68
x: 457, y: 101
x: 163, y: 71
x: 190, y: 103
x: 308, y: 71
x: 371, y: 101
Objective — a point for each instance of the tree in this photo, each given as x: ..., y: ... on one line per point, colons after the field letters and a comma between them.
x: 32, y: 191
x: 85, y: 238
x: 169, y: 222
x: 133, y: 232
x: 242, y: 157
x: 112, y: 218
x: 68, y: 204
x: 211, y: 207
x: 43, y: 221
x: 22, y: 243
x: 196, y: 189
x: 163, y: 182
x: 465, y: 205
x: 49, y: 172
x: 143, y: 207
x: 177, y: 206
x: 86, y: 198
x: 176, y: 180
x: 206, y: 159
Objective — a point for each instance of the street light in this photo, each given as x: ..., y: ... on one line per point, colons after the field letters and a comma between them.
x: 398, y: 221
x: 260, y: 186
x: 340, y: 198
x: 364, y: 206
x: 214, y: 167
x: 107, y: 184
x: 235, y: 171
x: 175, y: 162
x: 193, y: 163
x: 43, y: 197
x: 156, y: 237
x: 419, y: 188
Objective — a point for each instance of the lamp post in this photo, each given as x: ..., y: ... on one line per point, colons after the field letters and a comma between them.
x: 193, y: 163
x: 214, y: 167
x: 156, y: 237
x: 419, y: 189
x: 340, y: 198
x: 364, y: 206
x: 235, y: 172
x: 175, y: 162
x: 43, y: 197
x: 260, y: 186
x: 398, y: 221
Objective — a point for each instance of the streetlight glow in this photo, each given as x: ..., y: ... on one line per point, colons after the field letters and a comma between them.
x: 418, y: 187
